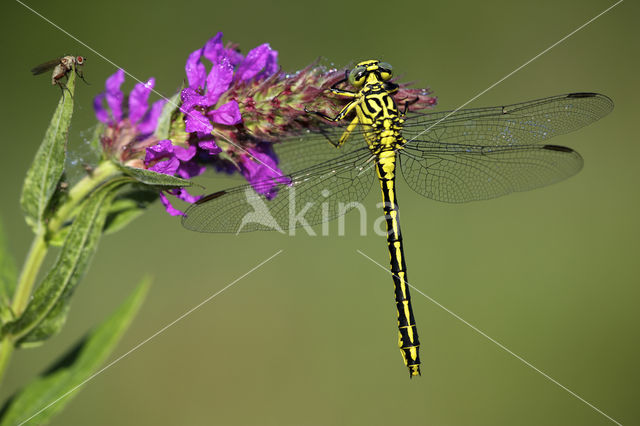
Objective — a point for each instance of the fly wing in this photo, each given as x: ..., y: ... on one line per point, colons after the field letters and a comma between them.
x: 47, y: 66
x: 313, y: 195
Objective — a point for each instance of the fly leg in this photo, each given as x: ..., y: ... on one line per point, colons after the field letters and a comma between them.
x: 80, y: 74
x: 63, y: 87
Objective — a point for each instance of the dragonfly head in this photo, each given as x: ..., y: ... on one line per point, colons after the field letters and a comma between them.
x: 372, y: 71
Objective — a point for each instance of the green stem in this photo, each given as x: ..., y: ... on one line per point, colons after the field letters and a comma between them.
x: 6, y: 349
x: 28, y: 275
x: 39, y: 248
x: 21, y: 297
x: 80, y: 190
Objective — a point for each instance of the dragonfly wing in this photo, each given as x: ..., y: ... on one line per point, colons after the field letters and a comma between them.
x: 49, y: 65
x: 460, y: 173
x: 517, y: 124
x: 316, y: 194
x: 310, y: 148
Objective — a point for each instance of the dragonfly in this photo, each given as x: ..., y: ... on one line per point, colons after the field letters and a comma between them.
x: 452, y: 156
x: 61, y: 67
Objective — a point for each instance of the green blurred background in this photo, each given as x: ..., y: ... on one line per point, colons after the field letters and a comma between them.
x: 310, y: 338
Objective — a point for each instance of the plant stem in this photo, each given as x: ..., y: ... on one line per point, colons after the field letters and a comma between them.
x: 22, y: 294
x: 40, y: 245
x: 28, y: 275
x: 6, y: 349
x: 79, y: 191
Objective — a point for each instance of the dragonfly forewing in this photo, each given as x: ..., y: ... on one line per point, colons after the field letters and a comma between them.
x: 516, y: 124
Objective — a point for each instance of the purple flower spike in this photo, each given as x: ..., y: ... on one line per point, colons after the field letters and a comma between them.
x: 200, y: 99
x: 128, y: 132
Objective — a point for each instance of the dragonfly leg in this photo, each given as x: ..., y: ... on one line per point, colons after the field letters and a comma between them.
x: 343, y: 113
x: 408, y: 104
x: 347, y: 132
x: 336, y: 84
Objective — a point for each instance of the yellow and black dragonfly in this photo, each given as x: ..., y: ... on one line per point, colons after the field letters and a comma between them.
x: 451, y: 156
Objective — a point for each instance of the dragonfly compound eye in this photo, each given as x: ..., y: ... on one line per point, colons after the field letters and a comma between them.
x: 386, y: 71
x: 357, y: 76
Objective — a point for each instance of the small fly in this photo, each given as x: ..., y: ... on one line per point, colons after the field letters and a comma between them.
x: 62, y: 67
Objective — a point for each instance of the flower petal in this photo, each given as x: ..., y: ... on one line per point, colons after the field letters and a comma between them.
x: 213, y: 48
x: 195, y: 70
x: 168, y: 207
x: 228, y: 114
x: 150, y: 120
x: 138, y: 100
x: 218, y: 80
x: 162, y: 149
x: 98, y: 106
x: 184, y: 195
x: 184, y: 154
x: 195, y: 121
x: 233, y: 56
x: 210, y: 147
x: 271, y: 66
x: 114, y: 95
x: 166, y: 167
x: 254, y: 62
x: 190, y: 99
x: 190, y: 169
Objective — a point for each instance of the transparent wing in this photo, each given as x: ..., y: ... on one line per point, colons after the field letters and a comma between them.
x: 314, y: 195
x: 44, y: 67
x: 308, y: 148
x: 459, y: 173
x: 517, y: 124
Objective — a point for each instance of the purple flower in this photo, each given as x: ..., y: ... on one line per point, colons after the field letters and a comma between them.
x: 200, y: 99
x: 140, y: 115
x: 169, y: 159
x: 209, y: 108
x: 127, y: 134
x: 260, y: 168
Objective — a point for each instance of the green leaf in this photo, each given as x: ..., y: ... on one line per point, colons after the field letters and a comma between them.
x: 164, y: 121
x: 49, y: 393
x: 72, y: 262
x: 46, y: 170
x: 149, y: 177
x: 127, y: 207
x: 8, y: 278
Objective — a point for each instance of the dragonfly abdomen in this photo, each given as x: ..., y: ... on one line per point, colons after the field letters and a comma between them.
x: 407, y: 331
